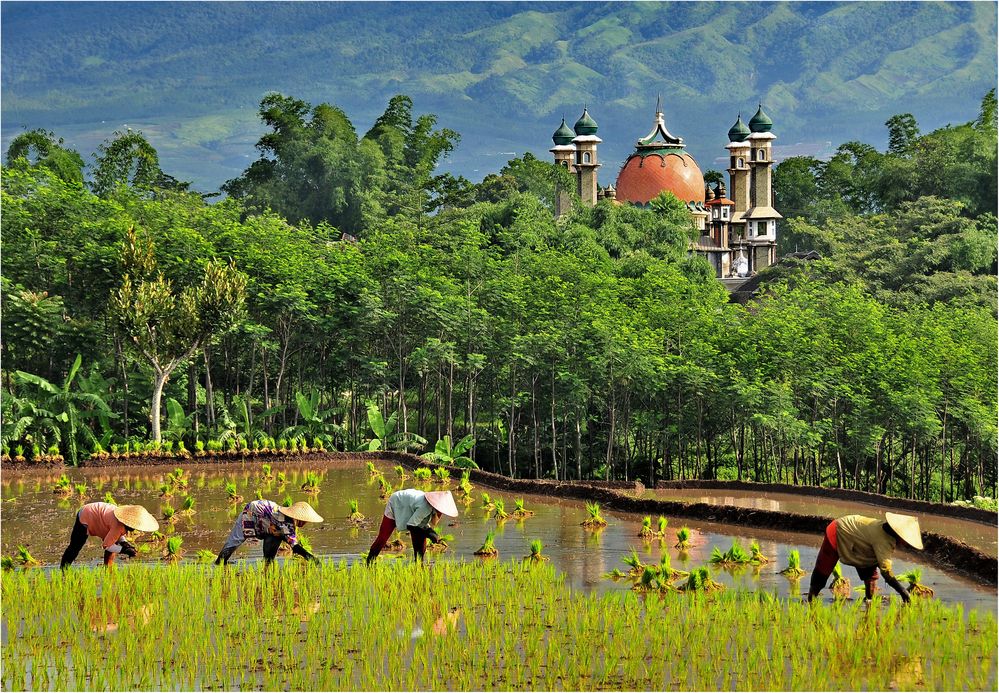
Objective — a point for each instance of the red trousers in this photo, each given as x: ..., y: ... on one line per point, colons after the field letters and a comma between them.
x: 828, y: 558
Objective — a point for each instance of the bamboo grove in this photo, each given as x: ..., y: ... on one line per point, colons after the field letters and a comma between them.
x: 388, y: 307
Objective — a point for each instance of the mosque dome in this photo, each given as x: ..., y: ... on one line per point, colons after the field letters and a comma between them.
x: 563, y: 135
x: 761, y: 121
x: 738, y: 132
x: 642, y: 178
x: 585, y: 125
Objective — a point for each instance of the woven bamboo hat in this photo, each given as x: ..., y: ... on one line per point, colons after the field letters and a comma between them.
x: 442, y: 501
x: 136, y: 517
x: 906, y: 527
x: 301, y: 511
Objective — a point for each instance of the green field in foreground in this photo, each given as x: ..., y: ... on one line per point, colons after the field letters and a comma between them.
x: 461, y: 626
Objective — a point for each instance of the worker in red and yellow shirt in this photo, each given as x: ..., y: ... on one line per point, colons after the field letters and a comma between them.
x: 110, y: 523
x: 867, y: 544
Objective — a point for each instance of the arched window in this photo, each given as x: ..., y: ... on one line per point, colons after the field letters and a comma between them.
x: 741, y: 162
x: 760, y: 155
x: 586, y: 157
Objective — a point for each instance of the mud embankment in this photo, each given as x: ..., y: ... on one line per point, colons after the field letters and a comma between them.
x: 989, y: 517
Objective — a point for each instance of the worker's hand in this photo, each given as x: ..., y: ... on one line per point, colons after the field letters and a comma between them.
x: 128, y: 550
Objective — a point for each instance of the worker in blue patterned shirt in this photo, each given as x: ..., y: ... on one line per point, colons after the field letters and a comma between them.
x: 267, y: 521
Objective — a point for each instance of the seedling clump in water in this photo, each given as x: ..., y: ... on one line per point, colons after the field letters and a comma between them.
x: 232, y: 493
x: 917, y: 589
x: 682, y: 539
x: 487, y: 548
x: 595, y: 520
x: 646, y: 531
x: 354, y: 515
x: 841, y: 584
x: 519, y: 511
x: 173, y: 552
x: 536, y: 556
x: 487, y: 502
x: 499, y: 512
x: 793, y: 569
x: 756, y: 555
x: 311, y: 484
x: 736, y: 555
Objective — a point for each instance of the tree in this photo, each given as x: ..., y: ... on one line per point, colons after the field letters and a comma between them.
x: 903, y: 132
x: 129, y: 160
x: 164, y: 327
x: 41, y: 148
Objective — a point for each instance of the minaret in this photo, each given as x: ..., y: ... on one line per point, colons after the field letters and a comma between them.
x: 761, y: 218
x: 738, y: 171
x: 586, y: 163
x: 564, y: 152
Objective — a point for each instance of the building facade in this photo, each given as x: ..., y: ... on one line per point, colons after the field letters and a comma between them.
x: 738, y: 235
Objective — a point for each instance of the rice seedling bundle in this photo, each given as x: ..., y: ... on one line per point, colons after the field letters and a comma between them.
x: 442, y: 545
x: 840, y: 584
x: 755, y: 554
x: 422, y: 473
x: 499, y: 510
x: 646, y: 532
x: 353, y: 514
x: 519, y: 511
x: 488, y: 549
x: 916, y: 588
x: 536, y: 556
x: 595, y: 519
x: 736, y: 555
x: 443, y: 475
x: 487, y: 502
x: 793, y: 569
x: 682, y: 539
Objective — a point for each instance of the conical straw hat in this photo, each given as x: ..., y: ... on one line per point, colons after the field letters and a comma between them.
x: 301, y: 511
x: 443, y: 501
x: 136, y: 517
x: 907, y: 527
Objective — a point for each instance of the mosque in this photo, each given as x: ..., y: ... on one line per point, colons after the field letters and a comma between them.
x: 738, y: 236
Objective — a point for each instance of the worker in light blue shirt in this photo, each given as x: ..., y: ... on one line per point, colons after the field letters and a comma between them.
x: 416, y: 511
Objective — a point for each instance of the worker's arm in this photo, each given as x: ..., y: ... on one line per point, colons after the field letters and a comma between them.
x: 897, y: 586
x: 427, y: 532
x: 299, y: 551
x: 110, y: 552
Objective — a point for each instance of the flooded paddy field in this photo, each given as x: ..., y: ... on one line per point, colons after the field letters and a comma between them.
x: 982, y: 536
x: 35, y: 517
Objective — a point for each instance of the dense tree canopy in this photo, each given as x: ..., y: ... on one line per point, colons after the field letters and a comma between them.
x: 587, y: 345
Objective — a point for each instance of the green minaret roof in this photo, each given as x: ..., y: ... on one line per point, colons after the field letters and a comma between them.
x: 761, y: 121
x: 563, y: 135
x: 738, y: 132
x: 585, y: 125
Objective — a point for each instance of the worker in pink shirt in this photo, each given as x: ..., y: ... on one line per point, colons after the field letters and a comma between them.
x: 111, y: 523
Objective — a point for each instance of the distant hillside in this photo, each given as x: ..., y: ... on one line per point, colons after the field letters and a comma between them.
x: 191, y: 75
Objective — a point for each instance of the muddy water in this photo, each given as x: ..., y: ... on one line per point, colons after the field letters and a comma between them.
x: 980, y: 535
x: 32, y: 515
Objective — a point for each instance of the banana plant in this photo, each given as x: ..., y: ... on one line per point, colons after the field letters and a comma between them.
x: 444, y: 453
x: 316, y: 422
x: 386, y: 436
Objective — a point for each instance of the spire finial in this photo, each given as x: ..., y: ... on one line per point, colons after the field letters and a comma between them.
x: 659, y: 103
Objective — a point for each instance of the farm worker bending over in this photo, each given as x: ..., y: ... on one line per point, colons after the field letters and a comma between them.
x: 266, y: 520
x: 867, y: 544
x: 111, y: 523
x: 419, y: 512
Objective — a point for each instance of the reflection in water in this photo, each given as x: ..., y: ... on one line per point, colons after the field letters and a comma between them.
x: 35, y: 517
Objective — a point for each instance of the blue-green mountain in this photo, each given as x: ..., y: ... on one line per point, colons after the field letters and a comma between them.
x: 191, y: 75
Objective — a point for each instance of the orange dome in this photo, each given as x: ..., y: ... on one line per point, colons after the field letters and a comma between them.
x: 642, y: 178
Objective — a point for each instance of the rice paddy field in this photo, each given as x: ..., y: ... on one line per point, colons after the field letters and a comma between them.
x: 617, y: 607
x: 488, y: 625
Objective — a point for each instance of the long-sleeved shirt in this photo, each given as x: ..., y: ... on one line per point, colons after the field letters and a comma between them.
x: 409, y: 507
x: 262, y: 518
x: 101, y: 522
x: 862, y: 542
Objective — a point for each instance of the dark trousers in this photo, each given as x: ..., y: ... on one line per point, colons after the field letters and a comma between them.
x: 385, y: 531
x: 77, y: 539
x: 270, y: 546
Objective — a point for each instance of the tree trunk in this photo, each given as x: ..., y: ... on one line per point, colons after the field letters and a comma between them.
x: 159, y: 380
x: 210, y: 392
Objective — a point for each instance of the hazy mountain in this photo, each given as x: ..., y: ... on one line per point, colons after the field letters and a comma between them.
x: 190, y: 75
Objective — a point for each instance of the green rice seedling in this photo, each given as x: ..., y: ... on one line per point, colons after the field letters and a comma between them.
x: 595, y: 519
x: 166, y: 491
x: 318, y: 445
x: 282, y: 445
x: 232, y: 493
x: 167, y: 448
x: 487, y: 502
x: 63, y: 486
x: 187, y: 507
x: 156, y: 537
x: 755, y: 554
x: 519, y: 511
x: 736, y: 555
x: 288, y: 501
x: 372, y: 470
x: 354, y: 515
x: 634, y: 563
x: 199, y: 448
x: 466, y: 488
x: 422, y: 473
x: 666, y: 570
x: 282, y: 481
x: 536, y: 556
x: 651, y: 580
x: 206, y: 556
x: 793, y: 569
x: 442, y: 545
x: 182, y: 452
x: 615, y: 574
x: 646, y: 531
x: 499, y: 510
x: 400, y: 472
x: 841, y: 584
x: 395, y: 543
x: 56, y: 457
x: 384, y: 487
x: 682, y: 539
x: 108, y: 498
x: 304, y: 541
x: 917, y: 589
x: 443, y: 475
x: 265, y: 473
x: 19, y: 454
x: 173, y: 550
x: 81, y: 490
x: 488, y: 549
x: 258, y: 493
x: 699, y: 580
x: 312, y: 481
x: 169, y: 513
x: 25, y: 558
x: 6, y: 563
